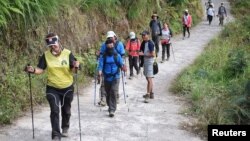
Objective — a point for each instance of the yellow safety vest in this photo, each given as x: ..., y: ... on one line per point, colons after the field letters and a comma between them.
x: 59, y: 74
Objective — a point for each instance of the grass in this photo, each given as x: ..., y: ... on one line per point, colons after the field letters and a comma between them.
x: 24, y: 23
x: 217, y: 83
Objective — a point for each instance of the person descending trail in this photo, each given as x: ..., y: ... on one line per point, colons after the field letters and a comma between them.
x: 155, y: 27
x: 222, y: 13
x: 210, y: 14
x: 109, y: 66
x: 133, y: 48
x: 60, y: 63
x: 165, y: 41
x: 187, y: 23
x: 147, y: 53
x: 119, y: 48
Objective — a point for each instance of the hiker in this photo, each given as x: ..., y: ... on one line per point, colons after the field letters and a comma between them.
x: 210, y: 14
x: 186, y: 22
x: 165, y: 41
x: 222, y: 12
x: 133, y: 48
x: 59, y: 63
x: 155, y: 27
x: 109, y: 66
x: 147, y: 53
x: 119, y: 48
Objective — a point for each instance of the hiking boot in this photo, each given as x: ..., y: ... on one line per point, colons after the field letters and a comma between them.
x: 65, y: 133
x: 147, y: 98
x: 144, y: 96
x: 167, y: 58
x: 151, y: 96
x: 162, y: 61
x: 138, y: 72
x: 56, y: 138
x: 102, y: 103
x: 111, y: 114
x: 130, y: 77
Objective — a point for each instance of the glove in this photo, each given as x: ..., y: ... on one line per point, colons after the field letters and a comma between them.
x: 124, y: 68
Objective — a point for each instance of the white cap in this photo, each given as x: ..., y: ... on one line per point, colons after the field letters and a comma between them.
x: 131, y: 35
x: 186, y: 10
x: 110, y: 34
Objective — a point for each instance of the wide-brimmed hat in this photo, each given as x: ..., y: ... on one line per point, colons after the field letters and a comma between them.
x: 154, y: 15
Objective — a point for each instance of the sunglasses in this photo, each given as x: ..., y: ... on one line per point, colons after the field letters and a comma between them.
x: 51, y: 39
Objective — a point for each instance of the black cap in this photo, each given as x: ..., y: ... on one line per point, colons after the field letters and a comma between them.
x: 145, y: 32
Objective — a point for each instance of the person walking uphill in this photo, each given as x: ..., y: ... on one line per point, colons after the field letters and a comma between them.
x: 210, y: 14
x: 119, y: 48
x: 133, y: 48
x: 222, y: 12
x: 165, y: 41
x: 147, y: 52
x: 60, y: 64
x: 187, y: 23
x: 109, y: 66
x: 155, y: 27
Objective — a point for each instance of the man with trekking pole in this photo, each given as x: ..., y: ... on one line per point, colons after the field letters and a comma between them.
x: 110, y: 63
x: 118, y: 48
x: 60, y: 64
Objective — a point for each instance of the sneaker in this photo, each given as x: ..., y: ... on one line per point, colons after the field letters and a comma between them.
x: 130, y: 77
x: 162, y: 61
x: 151, y: 96
x: 167, y: 59
x: 188, y: 35
x: 183, y: 38
x: 102, y: 103
x: 147, y: 98
x: 65, y: 133
x: 56, y: 138
x: 111, y: 114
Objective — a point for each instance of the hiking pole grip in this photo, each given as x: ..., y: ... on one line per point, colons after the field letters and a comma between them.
x: 31, y: 104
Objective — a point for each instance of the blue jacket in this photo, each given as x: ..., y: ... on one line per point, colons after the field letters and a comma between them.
x: 110, y: 70
x: 118, y: 49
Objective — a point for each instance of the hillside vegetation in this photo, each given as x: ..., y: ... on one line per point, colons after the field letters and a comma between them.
x: 80, y: 25
x: 218, y: 83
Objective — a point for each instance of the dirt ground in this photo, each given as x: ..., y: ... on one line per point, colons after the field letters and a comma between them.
x: 159, y: 120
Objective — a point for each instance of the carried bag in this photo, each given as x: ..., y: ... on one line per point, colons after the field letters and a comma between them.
x: 155, y: 68
x: 164, y: 41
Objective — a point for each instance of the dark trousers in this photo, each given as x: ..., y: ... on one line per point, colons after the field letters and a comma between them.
x: 210, y: 18
x: 59, y: 98
x: 111, y: 88
x: 186, y: 28
x: 165, y: 49
x: 103, y: 93
x: 133, y: 63
x: 156, y: 40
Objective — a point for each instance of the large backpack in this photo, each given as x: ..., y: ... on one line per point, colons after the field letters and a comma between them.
x: 115, y: 56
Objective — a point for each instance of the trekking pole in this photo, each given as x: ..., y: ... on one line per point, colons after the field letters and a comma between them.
x: 31, y: 105
x: 95, y: 87
x: 78, y: 103
x: 172, y: 50
x: 123, y: 85
x: 125, y: 75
